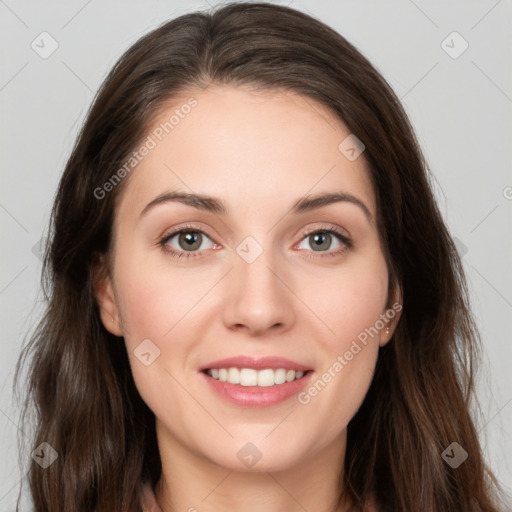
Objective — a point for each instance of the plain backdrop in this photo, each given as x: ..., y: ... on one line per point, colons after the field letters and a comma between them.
x: 456, y: 88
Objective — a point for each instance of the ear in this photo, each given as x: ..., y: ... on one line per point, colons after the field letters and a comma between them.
x: 104, y: 293
x: 391, y: 315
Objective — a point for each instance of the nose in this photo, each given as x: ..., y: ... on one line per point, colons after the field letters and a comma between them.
x: 259, y: 296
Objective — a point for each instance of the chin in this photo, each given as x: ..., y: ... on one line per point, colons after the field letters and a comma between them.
x: 257, y: 457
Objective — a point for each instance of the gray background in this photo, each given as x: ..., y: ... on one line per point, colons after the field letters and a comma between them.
x: 460, y: 108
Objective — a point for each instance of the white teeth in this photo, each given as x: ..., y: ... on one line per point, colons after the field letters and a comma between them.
x: 233, y: 375
x: 280, y: 376
x: 251, y: 377
x: 266, y: 378
x: 248, y: 377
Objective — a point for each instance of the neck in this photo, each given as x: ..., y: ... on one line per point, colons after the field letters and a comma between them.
x: 190, y: 482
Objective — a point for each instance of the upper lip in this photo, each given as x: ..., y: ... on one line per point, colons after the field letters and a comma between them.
x: 261, y: 363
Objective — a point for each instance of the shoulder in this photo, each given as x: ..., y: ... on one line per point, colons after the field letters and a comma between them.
x: 149, y: 503
x: 370, y: 506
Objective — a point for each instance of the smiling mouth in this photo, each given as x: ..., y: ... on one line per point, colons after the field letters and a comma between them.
x: 268, y: 377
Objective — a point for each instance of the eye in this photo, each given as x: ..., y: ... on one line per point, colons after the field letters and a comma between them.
x: 322, y: 240
x: 189, y: 241
x: 186, y: 240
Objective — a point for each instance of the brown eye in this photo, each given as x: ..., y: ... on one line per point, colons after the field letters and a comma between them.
x: 190, y: 240
x: 321, y: 240
x: 186, y: 240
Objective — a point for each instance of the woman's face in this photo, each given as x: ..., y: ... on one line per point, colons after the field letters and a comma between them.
x: 244, y: 278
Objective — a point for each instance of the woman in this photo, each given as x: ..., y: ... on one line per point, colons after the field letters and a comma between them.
x: 254, y: 303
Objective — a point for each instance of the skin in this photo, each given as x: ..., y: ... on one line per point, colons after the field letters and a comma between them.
x: 259, y: 152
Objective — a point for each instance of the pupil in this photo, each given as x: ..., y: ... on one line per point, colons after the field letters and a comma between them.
x: 321, y: 241
x: 192, y: 240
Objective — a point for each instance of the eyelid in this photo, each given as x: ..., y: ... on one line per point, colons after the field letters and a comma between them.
x: 326, y: 227
x: 163, y: 239
x: 340, y: 233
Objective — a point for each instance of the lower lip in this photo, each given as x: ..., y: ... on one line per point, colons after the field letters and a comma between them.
x: 255, y: 396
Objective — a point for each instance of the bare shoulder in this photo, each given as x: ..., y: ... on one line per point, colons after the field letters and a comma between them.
x: 149, y: 503
x: 370, y: 506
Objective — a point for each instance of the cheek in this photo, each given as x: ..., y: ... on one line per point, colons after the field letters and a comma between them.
x: 356, y: 297
x: 165, y: 307
x: 153, y: 301
x: 352, y: 310
x: 157, y: 306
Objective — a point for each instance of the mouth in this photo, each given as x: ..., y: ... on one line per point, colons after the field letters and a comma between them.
x: 250, y: 377
x: 247, y: 382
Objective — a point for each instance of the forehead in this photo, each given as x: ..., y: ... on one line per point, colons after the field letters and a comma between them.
x: 250, y: 148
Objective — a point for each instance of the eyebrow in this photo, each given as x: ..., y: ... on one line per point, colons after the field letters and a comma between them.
x: 214, y: 205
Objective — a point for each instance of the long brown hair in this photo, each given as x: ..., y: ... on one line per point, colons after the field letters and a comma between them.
x: 80, y: 384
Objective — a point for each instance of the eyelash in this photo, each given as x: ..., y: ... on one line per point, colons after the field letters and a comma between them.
x: 321, y: 254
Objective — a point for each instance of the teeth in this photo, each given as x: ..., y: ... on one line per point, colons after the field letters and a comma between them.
x: 251, y: 377
x: 280, y: 376
x: 266, y: 378
x: 247, y: 376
